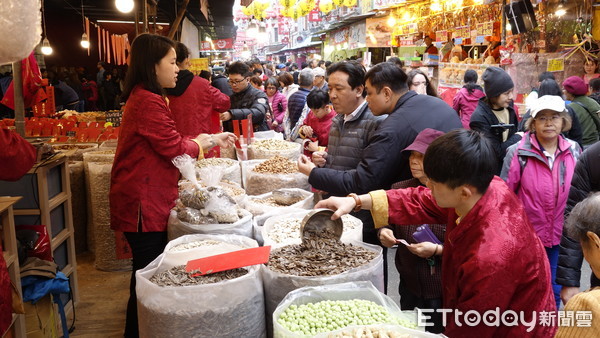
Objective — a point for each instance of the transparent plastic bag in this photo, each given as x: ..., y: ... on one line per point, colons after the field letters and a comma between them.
x: 273, y: 234
x: 254, y: 205
x: 278, y: 285
x: 259, y: 149
x: 229, y: 168
x: 21, y: 29
x: 177, y: 228
x: 343, y: 291
x: 231, y: 308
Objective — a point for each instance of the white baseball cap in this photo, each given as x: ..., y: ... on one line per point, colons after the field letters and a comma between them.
x: 548, y: 102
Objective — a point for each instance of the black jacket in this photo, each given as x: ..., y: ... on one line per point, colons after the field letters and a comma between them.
x: 482, y: 120
x: 220, y: 82
x: 184, y: 78
x: 383, y: 162
x: 585, y: 180
x: 253, y: 102
x: 574, y: 133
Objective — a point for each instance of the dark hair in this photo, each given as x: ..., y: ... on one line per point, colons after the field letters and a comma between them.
x: 286, y: 78
x: 255, y: 79
x: 396, y: 60
x: 595, y: 84
x: 322, y: 62
x: 317, y: 99
x: 545, y: 75
x: 461, y: 157
x: 387, y: 74
x: 240, y: 68
x: 327, y: 64
x: 205, y: 74
x: 584, y: 217
x: 470, y: 80
x: 355, y: 71
x: 430, y: 89
x: 257, y: 71
x: 146, y: 52
x: 294, y: 65
x: 182, y: 52
x: 272, y: 81
x: 549, y: 87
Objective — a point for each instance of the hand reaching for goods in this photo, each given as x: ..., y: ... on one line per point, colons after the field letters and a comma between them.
x: 319, y: 158
x: 224, y: 140
x: 341, y: 205
x: 305, y: 166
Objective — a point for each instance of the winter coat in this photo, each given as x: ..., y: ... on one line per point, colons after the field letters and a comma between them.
x: 492, y: 258
x: 543, y: 190
x: 143, y: 179
x: 296, y: 105
x: 250, y: 101
x: 465, y: 103
x: 585, y: 181
x: 220, y: 82
x: 196, y: 105
x: 574, y: 133
x: 289, y: 90
x: 278, y: 107
x: 382, y: 161
x: 483, y: 118
x: 320, y: 126
x: 587, y: 118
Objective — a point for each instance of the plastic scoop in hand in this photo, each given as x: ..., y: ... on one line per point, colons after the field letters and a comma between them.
x: 229, y: 261
x: 319, y: 221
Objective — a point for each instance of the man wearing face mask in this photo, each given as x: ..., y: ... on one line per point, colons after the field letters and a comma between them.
x: 494, y: 115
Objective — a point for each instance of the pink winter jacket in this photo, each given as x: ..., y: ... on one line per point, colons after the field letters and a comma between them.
x: 465, y: 103
x: 542, y: 190
x: 278, y: 114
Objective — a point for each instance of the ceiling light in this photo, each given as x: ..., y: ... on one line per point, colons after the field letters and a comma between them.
x: 85, y: 42
x: 124, y: 6
x: 46, y: 48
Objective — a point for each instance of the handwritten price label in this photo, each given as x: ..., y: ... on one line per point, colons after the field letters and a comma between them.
x: 556, y: 65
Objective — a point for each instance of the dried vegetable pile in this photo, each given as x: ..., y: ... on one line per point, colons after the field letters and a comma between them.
x: 177, y: 276
x: 322, y: 255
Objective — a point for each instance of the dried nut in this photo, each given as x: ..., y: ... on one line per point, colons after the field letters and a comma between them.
x: 215, y: 162
x: 288, y: 229
x: 277, y: 165
x: 272, y: 144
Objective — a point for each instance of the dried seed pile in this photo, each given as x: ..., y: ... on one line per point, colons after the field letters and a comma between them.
x: 272, y: 144
x: 219, y: 162
x: 177, y: 276
x: 196, y: 244
x: 272, y: 202
x: 277, y: 165
x: 289, y: 228
x: 73, y: 146
x: 319, y: 256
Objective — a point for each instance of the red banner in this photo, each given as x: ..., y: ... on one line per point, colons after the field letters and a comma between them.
x: 314, y: 16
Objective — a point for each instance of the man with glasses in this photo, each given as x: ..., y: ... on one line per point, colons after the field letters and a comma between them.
x: 246, y: 100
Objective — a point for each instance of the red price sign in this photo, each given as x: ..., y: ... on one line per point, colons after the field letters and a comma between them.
x: 404, y: 42
x: 441, y: 36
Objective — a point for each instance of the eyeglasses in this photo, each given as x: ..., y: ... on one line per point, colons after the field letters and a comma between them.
x: 552, y: 118
x: 236, y: 82
x: 271, y: 87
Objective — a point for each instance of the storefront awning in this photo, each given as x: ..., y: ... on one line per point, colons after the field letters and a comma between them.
x: 305, y: 44
x: 272, y: 49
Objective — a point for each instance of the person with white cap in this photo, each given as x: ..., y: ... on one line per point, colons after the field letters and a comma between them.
x: 319, y: 80
x: 539, y: 170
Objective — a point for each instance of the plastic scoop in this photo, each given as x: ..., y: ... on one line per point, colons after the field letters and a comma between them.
x: 229, y: 261
x: 319, y: 221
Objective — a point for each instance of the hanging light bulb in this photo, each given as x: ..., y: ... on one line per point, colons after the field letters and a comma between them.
x: 124, y: 6
x: 85, y: 42
x: 391, y: 21
x: 46, y: 48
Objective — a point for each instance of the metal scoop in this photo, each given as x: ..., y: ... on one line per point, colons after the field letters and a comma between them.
x: 318, y: 221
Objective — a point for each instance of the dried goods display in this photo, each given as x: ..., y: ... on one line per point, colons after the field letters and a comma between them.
x: 177, y: 276
x: 74, y: 151
x: 279, y: 200
x: 268, y: 148
x: 79, y: 204
x: 285, y: 229
x: 374, y: 331
x: 231, y: 306
x: 320, y: 256
x: 329, y: 315
x: 275, y: 173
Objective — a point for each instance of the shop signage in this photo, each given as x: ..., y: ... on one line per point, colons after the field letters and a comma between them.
x: 462, y: 32
x: 314, y: 16
x: 196, y: 65
x: 379, y: 34
x: 556, y: 65
x: 340, y: 36
x: 357, y: 35
x: 218, y: 44
x: 485, y: 28
x: 379, y: 4
x: 413, y: 28
x: 406, y: 42
x: 441, y: 36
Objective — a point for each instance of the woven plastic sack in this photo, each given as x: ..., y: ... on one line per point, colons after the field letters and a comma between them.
x: 262, y: 183
x: 98, y: 156
x: 352, y: 229
x: 277, y: 285
x: 177, y: 228
x: 343, y: 291
x: 79, y: 204
x: 232, y: 308
x: 21, y: 29
x: 257, y: 208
